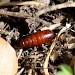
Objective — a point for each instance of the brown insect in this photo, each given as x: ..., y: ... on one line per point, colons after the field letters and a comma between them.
x: 37, y: 39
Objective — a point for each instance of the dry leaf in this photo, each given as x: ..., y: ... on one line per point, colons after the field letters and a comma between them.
x: 8, y: 59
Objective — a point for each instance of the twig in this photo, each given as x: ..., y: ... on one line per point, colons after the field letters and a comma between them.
x: 18, y: 14
x: 20, y: 52
x: 45, y: 10
x: 15, y: 14
x: 19, y: 73
x: 55, y: 7
x: 14, y: 3
x: 63, y: 29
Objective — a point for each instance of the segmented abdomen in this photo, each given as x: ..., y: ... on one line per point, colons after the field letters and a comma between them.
x: 37, y: 39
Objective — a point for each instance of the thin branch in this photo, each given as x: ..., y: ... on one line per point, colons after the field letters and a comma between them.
x: 20, y: 52
x: 45, y: 10
x: 63, y: 29
x: 14, y: 3
x: 55, y: 7
x: 15, y: 14
x: 20, y: 72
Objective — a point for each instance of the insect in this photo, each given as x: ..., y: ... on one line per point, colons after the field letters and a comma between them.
x: 36, y: 39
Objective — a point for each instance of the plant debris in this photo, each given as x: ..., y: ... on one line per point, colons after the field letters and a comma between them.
x: 19, y: 21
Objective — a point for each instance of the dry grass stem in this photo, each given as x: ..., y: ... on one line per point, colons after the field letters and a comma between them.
x: 47, y: 58
x: 30, y: 72
x: 55, y: 7
x: 63, y: 30
x: 19, y: 73
x: 14, y: 3
x: 20, y: 52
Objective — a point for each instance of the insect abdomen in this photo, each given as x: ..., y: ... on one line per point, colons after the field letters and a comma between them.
x: 37, y: 39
